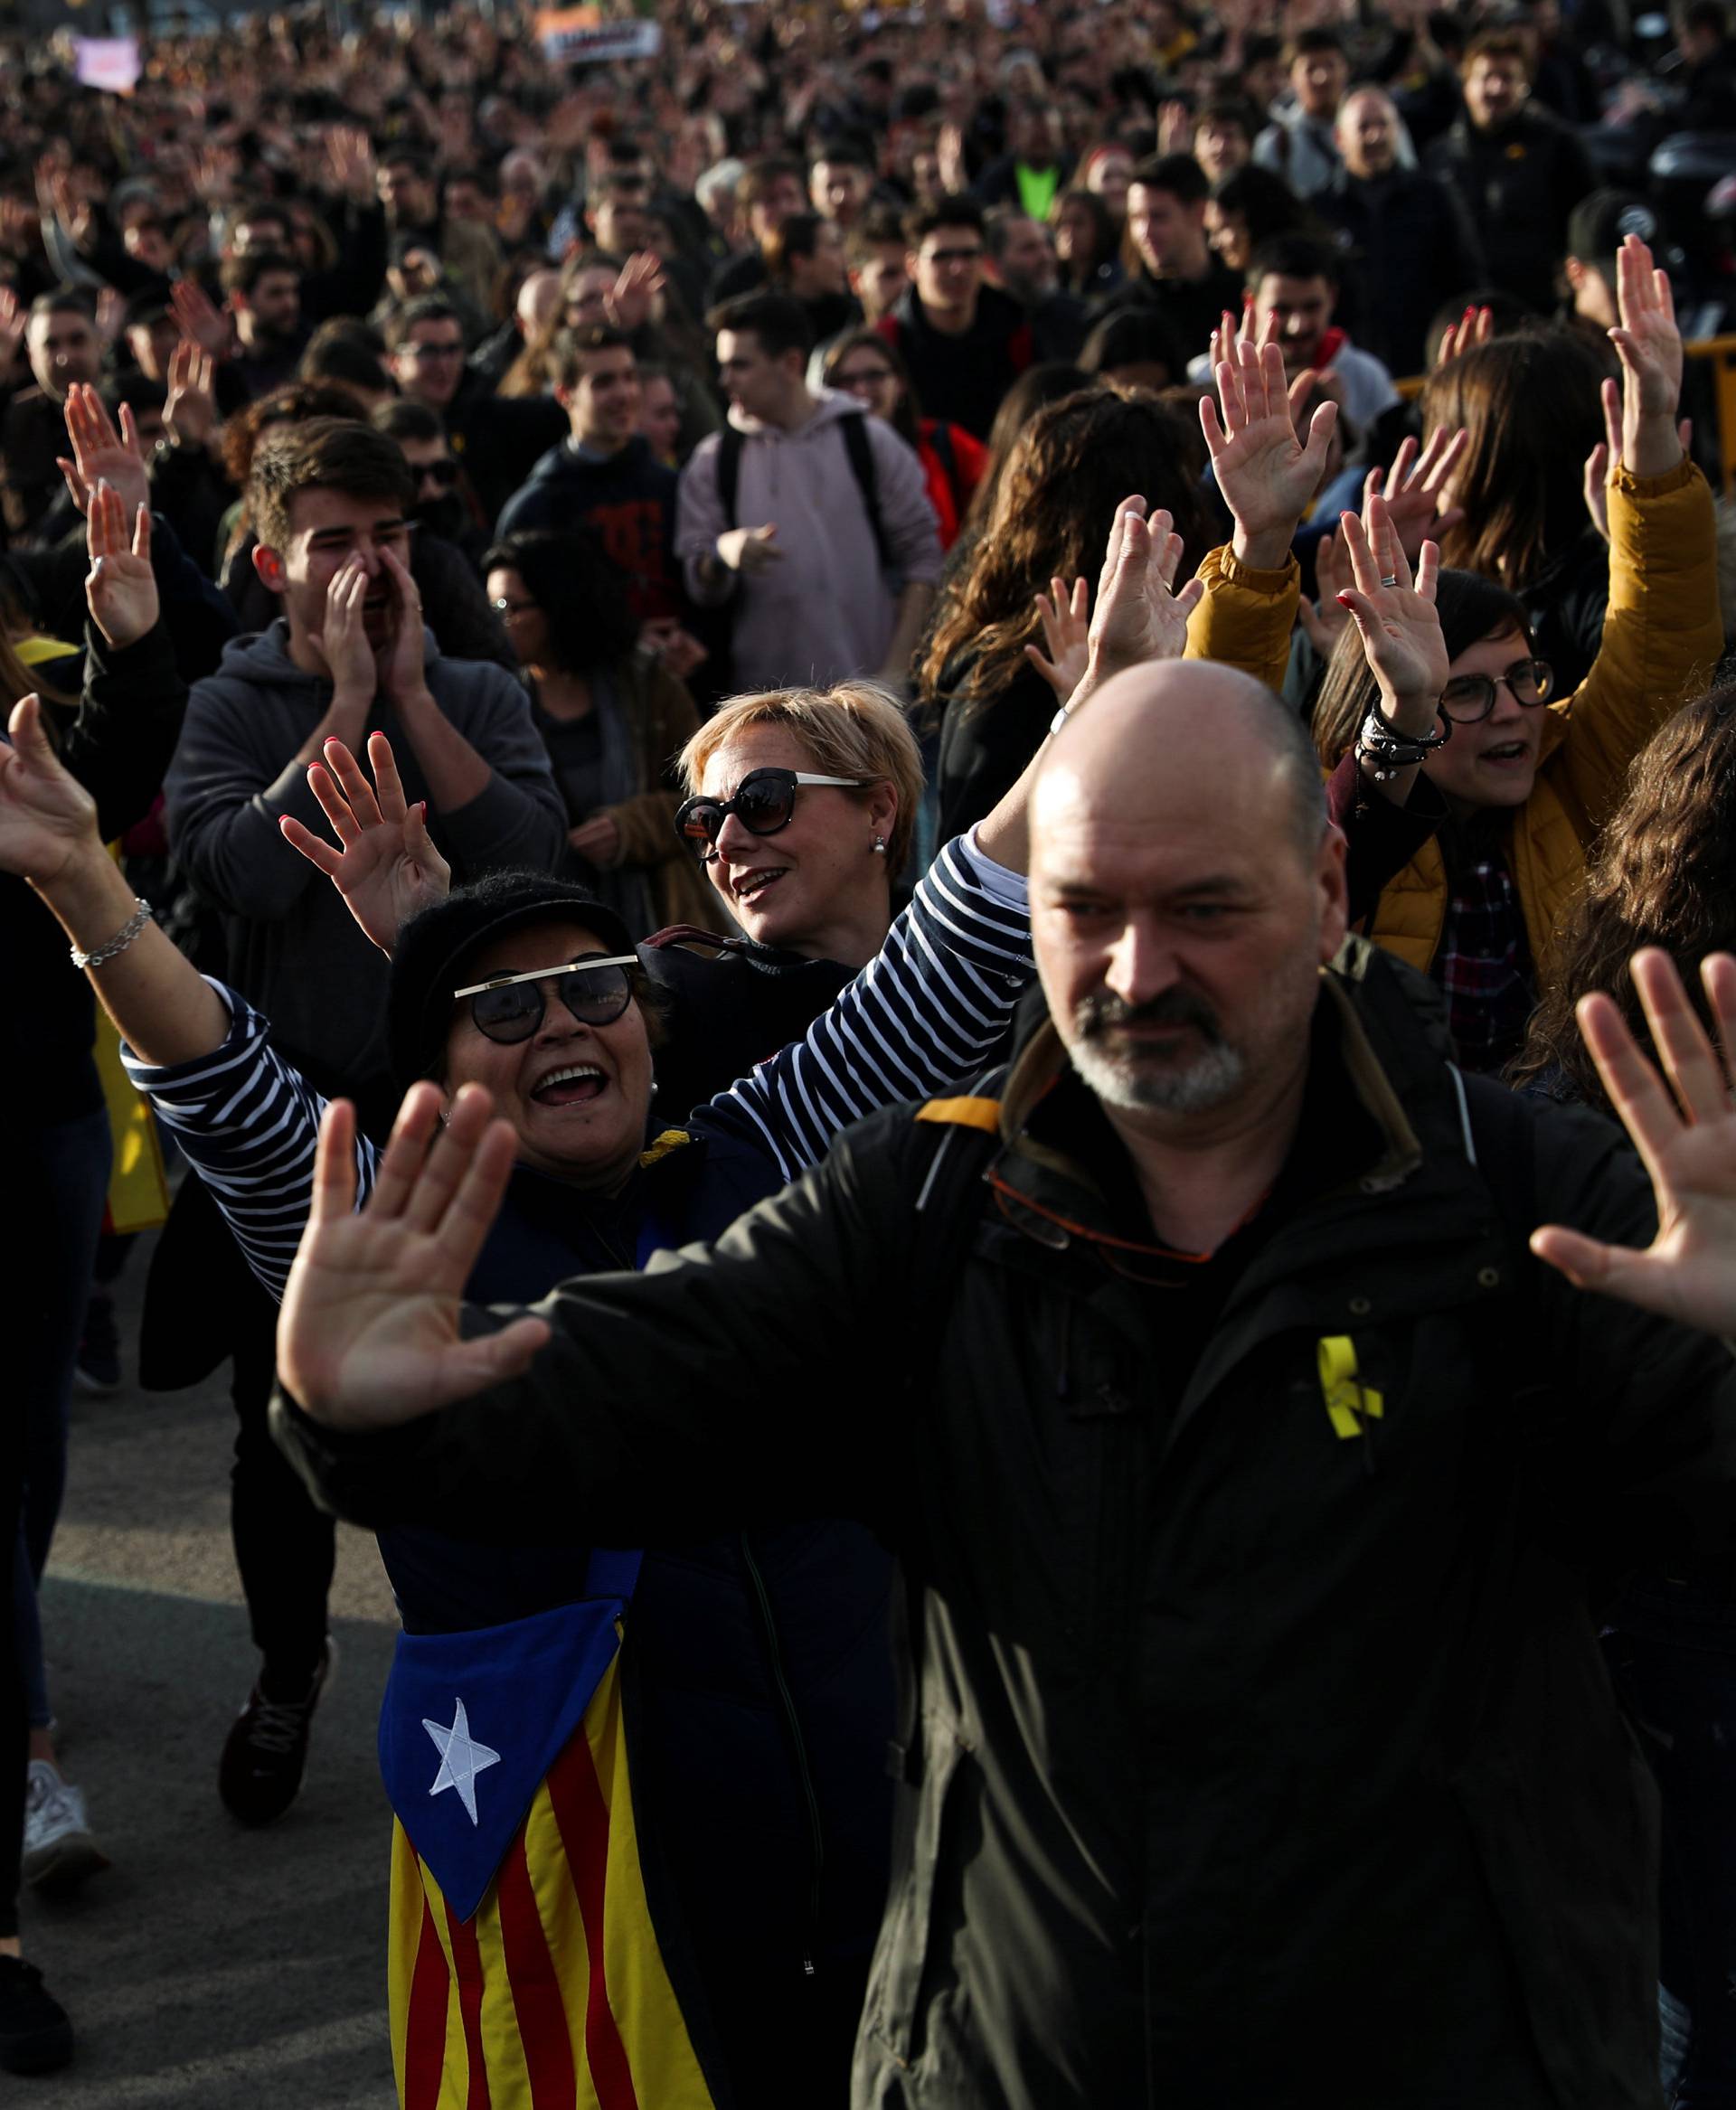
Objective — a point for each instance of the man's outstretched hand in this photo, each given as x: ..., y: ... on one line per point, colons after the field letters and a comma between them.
x: 368, y: 1336
x: 384, y: 863
x: 1687, y: 1144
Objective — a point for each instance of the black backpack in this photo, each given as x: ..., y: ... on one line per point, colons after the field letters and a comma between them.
x: 856, y: 446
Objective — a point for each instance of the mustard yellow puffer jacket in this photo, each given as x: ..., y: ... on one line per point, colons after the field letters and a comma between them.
x: 1662, y: 638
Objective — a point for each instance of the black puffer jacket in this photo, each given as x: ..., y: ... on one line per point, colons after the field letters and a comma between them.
x: 1264, y: 1750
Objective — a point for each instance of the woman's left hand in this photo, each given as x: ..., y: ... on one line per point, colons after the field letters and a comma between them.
x: 1066, y: 621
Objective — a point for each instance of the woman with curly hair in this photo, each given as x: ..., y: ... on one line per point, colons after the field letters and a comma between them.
x: 1069, y: 470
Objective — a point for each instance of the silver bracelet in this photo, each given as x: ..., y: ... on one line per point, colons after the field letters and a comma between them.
x: 119, y: 943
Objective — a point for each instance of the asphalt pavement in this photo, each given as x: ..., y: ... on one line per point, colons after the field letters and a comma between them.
x: 211, y: 1967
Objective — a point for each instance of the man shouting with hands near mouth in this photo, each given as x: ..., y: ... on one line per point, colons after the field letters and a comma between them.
x: 331, y: 502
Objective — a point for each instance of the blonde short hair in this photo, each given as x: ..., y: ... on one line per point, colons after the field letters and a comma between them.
x: 854, y: 729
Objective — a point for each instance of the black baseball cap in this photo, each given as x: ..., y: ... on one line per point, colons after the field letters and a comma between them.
x: 430, y: 959
x: 1601, y: 222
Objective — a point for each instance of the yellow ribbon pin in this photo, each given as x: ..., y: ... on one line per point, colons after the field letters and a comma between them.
x: 1349, y: 1402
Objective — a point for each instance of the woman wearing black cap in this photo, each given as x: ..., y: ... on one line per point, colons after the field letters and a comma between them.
x: 756, y: 1685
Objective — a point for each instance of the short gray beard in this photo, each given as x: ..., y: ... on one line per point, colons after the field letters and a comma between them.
x: 1131, y: 1086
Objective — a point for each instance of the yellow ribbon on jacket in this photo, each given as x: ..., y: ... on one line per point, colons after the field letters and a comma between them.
x: 1349, y: 1402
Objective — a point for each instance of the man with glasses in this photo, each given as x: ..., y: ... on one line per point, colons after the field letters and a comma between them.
x: 331, y: 500
x: 963, y: 342
x: 498, y: 439
x: 604, y: 472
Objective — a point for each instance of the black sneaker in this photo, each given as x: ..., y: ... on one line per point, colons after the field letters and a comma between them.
x: 98, y: 1365
x: 266, y: 1753
x: 35, y: 2035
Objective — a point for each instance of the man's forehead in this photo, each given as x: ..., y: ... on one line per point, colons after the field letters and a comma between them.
x: 325, y: 512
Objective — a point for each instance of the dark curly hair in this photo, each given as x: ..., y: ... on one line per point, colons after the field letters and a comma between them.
x: 1664, y: 874
x: 580, y: 589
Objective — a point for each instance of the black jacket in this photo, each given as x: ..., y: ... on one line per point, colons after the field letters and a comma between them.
x: 1264, y: 1748
x: 1410, y: 247
x: 961, y: 380
x: 499, y: 437
x: 1518, y: 183
x: 985, y: 742
x: 629, y: 497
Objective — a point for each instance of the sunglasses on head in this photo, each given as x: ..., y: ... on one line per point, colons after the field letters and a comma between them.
x: 1471, y: 697
x: 510, y: 1007
x: 763, y: 803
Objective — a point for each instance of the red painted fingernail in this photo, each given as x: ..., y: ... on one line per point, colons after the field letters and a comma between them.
x: 1343, y: 599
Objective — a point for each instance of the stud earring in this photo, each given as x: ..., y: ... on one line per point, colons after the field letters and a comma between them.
x: 880, y: 846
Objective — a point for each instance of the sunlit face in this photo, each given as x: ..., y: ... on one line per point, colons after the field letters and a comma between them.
x: 1179, y: 945
x: 587, y: 295
x: 1109, y: 175
x: 1368, y: 135
x: 839, y: 190
x: 429, y: 363
x: 326, y: 528
x: 1075, y: 232
x: 1494, y: 88
x: 151, y: 345
x: 63, y: 349
x: 947, y: 268
x: 1222, y: 146
x: 1299, y: 311
x: 863, y: 373
x: 1028, y: 259
x: 407, y: 195
x: 754, y: 381
x: 526, y: 625
x: 1493, y: 763
x: 578, y: 1095
x: 1228, y: 234
x: 275, y: 304
x: 794, y: 888
x: 622, y: 226
x: 1318, y: 80
x: 1168, y: 233
x: 781, y: 197
x: 603, y: 402
x: 824, y: 271
x: 660, y: 416
x: 879, y: 279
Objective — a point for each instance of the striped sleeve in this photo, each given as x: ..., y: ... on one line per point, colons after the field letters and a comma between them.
x: 247, y: 1124
x: 928, y: 1011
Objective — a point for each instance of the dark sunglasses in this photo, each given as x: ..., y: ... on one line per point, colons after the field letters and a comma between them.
x: 443, y: 474
x: 763, y: 803
x: 1471, y: 697
x: 510, y: 1007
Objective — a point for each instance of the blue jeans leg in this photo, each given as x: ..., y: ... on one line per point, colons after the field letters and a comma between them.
x: 68, y: 1177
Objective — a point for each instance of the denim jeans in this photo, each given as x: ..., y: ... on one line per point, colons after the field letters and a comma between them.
x: 1673, y: 1650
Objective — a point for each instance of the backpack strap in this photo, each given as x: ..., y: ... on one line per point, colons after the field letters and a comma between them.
x: 859, y: 448
x: 947, y: 454
x: 729, y: 473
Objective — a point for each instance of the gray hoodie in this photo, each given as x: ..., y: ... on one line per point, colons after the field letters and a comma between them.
x: 293, y: 948
x: 824, y: 610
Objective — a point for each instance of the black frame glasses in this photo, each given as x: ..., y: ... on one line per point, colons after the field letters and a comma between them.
x: 510, y: 1008
x: 764, y: 802
x: 1468, y: 699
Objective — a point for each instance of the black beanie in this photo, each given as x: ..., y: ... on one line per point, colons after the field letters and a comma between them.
x: 428, y: 962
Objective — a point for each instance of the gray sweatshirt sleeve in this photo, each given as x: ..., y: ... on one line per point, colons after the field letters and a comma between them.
x: 223, y: 797
x: 519, y: 817
x: 699, y: 521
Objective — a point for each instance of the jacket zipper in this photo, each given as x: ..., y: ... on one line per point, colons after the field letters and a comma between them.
x: 817, y: 1839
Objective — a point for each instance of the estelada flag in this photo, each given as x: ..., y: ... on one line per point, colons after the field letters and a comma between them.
x: 525, y: 1967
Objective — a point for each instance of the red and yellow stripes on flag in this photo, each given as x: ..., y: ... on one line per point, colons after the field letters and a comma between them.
x: 554, y: 1997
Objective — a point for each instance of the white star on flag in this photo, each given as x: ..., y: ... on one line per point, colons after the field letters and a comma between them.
x: 460, y: 1759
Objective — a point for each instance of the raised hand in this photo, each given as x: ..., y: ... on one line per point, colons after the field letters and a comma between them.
x: 368, y: 1336
x: 343, y: 640
x: 206, y: 326
x: 349, y: 162
x: 100, y: 454
x: 1599, y: 463
x: 1138, y: 617
x: 1688, y: 1147
x: 1649, y: 346
x: 1266, y: 475
x: 1323, y: 619
x: 47, y: 817
x: 190, y: 413
x: 1401, y: 631
x: 1066, y: 625
x: 385, y: 863
x: 402, y: 671
x: 120, y: 589
x: 1474, y: 327
x: 1416, y: 491
x: 13, y: 319
x: 632, y: 299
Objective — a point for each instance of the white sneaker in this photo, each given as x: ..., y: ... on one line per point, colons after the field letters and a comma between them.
x: 60, y: 1849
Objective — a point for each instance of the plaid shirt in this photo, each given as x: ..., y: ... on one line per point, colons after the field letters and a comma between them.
x: 1483, y: 962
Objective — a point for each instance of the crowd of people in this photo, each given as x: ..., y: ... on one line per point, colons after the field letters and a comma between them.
x: 890, y: 812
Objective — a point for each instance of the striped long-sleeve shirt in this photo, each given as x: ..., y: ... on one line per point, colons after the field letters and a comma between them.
x: 927, y: 1010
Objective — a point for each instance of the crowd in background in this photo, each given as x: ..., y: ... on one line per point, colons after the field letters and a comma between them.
x: 425, y: 378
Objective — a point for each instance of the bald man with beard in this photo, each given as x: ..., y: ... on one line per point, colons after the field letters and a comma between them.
x: 1245, y: 1467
